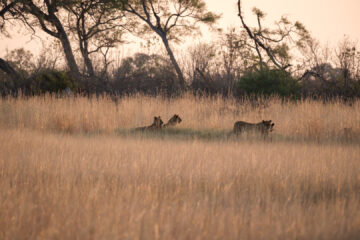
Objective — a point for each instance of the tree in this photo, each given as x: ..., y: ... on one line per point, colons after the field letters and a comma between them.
x: 22, y: 60
x: 97, y: 26
x: 328, y: 71
x: 149, y: 74
x: 236, y: 55
x: 11, y: 72
x: 45, y: 14
x: 348, y: 60
x: 6, y: 9
x: 170, y: 19
x: 272, y: 46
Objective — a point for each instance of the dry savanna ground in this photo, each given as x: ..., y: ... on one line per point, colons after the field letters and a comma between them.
x: 73, y: 168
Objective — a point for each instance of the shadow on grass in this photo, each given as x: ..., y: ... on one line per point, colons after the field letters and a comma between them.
x: 227, y: 135
x: 178, y: 133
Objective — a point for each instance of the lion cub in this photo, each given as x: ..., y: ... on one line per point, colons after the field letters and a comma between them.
x: 173, y: 121
x: 157, y: 124
x: 263, y: 127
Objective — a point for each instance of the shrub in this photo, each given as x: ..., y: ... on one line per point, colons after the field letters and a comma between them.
x: 51, y: 81
x: 148, y: 74
x: 269, y: 82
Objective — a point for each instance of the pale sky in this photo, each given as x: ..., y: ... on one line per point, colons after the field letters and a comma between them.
x: 327, y: 20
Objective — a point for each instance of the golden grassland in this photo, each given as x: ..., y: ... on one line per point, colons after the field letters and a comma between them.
x: 67, y: 171
x: 306, y: 119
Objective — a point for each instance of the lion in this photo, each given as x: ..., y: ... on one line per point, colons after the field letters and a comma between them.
x: 157, y: 124
x: 264, y: 127
x: 173, y: 121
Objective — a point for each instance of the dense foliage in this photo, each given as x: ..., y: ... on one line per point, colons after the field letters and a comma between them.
x: 53, y: 81
x: 269, y: 82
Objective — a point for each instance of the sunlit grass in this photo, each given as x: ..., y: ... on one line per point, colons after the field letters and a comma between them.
x: 306, y: 119
x: 76, y: 169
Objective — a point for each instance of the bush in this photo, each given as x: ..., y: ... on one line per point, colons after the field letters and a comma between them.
x: 51, y: 81
x: 269, y: 82
x: 148, y: 74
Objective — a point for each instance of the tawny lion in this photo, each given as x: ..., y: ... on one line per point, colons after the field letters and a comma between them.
x: 173, y: 121
x: 263, y: 127
x: 157, y: 124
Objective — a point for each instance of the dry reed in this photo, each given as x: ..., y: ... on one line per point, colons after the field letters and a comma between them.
x: 104, y: 186
x: 305, y: 118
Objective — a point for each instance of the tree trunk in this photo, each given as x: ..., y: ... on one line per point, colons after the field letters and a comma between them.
x: 87, y: 60
x: 60, y: 33
x: 70, y: 59
x: 14, y: 76
x: 89, y: 65
x: 174, y: 62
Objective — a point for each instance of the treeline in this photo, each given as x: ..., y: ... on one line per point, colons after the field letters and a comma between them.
x: 282, y: 60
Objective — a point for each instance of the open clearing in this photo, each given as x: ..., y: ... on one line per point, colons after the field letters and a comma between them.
x: 73, y: 169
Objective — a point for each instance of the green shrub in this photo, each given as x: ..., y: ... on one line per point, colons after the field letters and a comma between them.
x: 52, y: 81
x: 269, y: 82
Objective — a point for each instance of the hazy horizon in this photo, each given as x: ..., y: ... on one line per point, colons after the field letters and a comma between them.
x: 327, y: 20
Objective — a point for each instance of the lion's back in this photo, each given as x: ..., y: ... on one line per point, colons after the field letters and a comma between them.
x: 241, y: 125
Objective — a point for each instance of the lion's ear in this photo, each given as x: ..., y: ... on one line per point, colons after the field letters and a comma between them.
x: 273, y: 124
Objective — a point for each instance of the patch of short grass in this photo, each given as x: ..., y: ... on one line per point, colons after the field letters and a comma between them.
x: 228, y: 135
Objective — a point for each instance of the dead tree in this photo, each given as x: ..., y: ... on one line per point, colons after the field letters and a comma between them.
x: 273, y: 43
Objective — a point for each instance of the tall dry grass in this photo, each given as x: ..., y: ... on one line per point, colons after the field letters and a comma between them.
x: 307, y: 118
x: 108, y: 186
